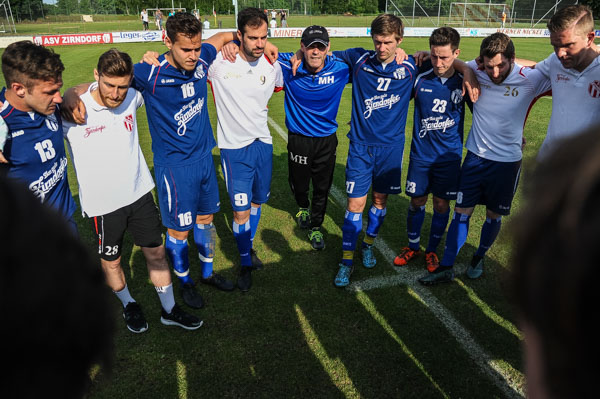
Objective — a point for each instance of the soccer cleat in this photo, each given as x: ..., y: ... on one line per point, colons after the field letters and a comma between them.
x: 218, y: 281
x: 405, y: 256
x: 342, y: 279
x: 303, y: 218
x: 431, y: 261
x: 134, y: 318
x: 179, y: 318
x: 445, y: 275
x: 316, y: 239
x: 368, y: 257
x: 244, y: 281
x: 475, y: 271
x: 256, y: 263
x: 191, y: 297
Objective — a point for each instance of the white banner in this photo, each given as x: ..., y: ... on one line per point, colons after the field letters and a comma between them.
x: 137, y: 36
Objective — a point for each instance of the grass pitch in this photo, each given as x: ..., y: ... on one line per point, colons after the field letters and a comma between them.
x: 294, y: 334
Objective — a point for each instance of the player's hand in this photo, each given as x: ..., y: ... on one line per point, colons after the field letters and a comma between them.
x: 400, y: 55
x: 150, y: 57
x: 229, y: 51
x: 420, y: 57
x: 272, y: 52
x: 296, y: 60
x: 471, y: 85
x: 2, y: 159
x: 72, y: 108
x: 523, y: 142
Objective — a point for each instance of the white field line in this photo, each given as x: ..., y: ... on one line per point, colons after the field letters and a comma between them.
x: 489, y: 366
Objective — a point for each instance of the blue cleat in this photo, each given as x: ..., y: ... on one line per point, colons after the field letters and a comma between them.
x: 342, y: 279
x: 368, y: 256
x: 445, y: 275
x: 476, y: 271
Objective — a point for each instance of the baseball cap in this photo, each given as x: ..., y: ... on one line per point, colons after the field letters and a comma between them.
x: 315, y: 34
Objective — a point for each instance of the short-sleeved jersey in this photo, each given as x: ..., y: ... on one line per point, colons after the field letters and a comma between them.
x: 380, y: 97
x: 176, y: 109
x: 312, y: 100
x: 575, y: 100
x: 439, y: 118
x: 242, y: 91
x: 110, y: 167
x: 499, y: 113
x: 36, y: 154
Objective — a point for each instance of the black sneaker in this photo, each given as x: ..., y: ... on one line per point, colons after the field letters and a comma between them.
x: 134, y: 318
x: 303, y: 218
x: 218, y: 281
x: 256, y: 263
x: 191, y: 297
x: 244, y: 281
x: 316, y: 239
x: 179, y: 318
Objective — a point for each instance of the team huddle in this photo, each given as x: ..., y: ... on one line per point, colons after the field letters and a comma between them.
x: 100, y: 124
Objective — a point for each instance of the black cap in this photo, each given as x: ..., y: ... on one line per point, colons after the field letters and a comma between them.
x: 315, y: 34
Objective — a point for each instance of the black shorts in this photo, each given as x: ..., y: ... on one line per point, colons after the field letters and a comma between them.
x: 141, y: 219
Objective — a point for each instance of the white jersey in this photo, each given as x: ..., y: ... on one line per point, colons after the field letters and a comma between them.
x: 242, y: 91
x: 109, y: 164
x: 575, y: 100
x: 499, y: 113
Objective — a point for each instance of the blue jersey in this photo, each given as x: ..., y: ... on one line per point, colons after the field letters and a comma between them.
x: 36, y: 154
x: 439, y: 118
x: 176, y: 109
x: 312, y: 100
x: 380, y: 97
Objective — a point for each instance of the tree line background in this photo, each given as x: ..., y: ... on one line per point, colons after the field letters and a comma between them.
x: 33, y: 10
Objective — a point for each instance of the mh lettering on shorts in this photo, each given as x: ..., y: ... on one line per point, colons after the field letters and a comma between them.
x: 299, y: 159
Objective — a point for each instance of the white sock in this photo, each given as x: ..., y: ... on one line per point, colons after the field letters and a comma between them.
x: 124, y: 296
x: 165, y: 294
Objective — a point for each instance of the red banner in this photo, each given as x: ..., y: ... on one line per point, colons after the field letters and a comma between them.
x: 66, y: 40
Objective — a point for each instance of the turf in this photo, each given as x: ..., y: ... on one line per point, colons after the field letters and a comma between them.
x: 294, y: 334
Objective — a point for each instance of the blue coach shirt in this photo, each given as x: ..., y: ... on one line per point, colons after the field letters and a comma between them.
x: 439, y: 118
x: 36, y: 153
x: 176, y: 109
x: 312, y: 100
x: 380, y: 97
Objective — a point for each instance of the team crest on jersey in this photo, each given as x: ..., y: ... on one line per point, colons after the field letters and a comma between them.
x: 456, y: 96
x: 594, y: 89
x: 128, y: 122
x: 52, y: 122
x: 400, y: 73
x: 199, y: 71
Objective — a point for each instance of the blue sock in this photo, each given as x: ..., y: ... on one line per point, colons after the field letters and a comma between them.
x: 350, y: 230
x: 177, y: 251
x: 457, y: 236
x: 254, y: 219
x: 439, y: 221
x: 376, y: 217
x: 204, y: 237
x: 414, y: 222
x: 242, y: 234
x: 489, y: 232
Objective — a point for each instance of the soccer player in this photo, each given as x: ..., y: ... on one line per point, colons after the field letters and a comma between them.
x: 436, y: 149
x: 110, y: 132
x: 242, y: 90
x: 34, y: 145
x: 144, y: 18
x: 574, y: 71
x: 381, y: 91
x: 182, y: 141
x: 490, y: 171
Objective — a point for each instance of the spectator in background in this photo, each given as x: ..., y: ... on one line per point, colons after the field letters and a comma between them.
x: 144, y: 16
x: 64, y: 324
x: 158, y: 16
x: 283, y: 17
x: 206, y: 24
x: 273, y: 23
x: 554, y: 270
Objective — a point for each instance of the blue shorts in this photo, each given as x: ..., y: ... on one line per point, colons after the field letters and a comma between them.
x: 439, y: 178
x: 247, y: 174
x: 489, y: 183
x: 380, y: 165
x: 187, y: 191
